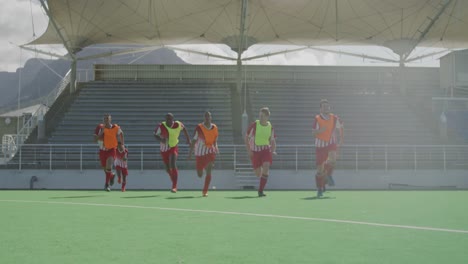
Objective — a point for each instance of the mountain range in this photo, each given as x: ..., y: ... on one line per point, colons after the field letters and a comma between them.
x: 40, y: 76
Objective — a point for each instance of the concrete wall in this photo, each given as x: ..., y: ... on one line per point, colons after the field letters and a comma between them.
x: 225, y: 179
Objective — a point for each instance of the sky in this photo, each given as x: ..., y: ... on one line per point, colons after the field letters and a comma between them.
x: 23, y: 20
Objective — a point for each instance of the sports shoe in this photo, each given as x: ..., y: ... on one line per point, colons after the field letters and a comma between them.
x: 330, y: 181
x: 319, y: 193
x: 261, y: 194
x: 205, y: 194
x: 107, y: 188
x: 112, y: 179
x: 173, y: 190
x: 123, y: 189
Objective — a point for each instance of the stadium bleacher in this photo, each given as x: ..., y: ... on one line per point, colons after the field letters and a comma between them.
x: 371, y: 115
x: 139, y: 106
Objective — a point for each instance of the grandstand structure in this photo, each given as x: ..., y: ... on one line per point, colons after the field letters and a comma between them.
x: 383, y: 131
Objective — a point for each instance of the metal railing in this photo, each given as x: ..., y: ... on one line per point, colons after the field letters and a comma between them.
x: 55, y: 93
x: 13, y: 142
x: 290, y: 157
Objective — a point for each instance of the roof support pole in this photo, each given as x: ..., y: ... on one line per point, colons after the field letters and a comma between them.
x: 442, y: 6
x: 71, y: 52
x: 240, y: 50
x: 241, y: 44
x: 63, y: 57
x: 52, y: 21
x: 402, y: 71
x: 73, y: 76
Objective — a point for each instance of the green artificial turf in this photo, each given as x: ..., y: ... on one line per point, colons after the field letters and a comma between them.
x: 233, y: 227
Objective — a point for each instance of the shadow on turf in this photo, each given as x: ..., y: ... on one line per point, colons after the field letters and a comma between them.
x: 316, y: 198
x: 142, y: 196
x: 242, y: 197
x: 75, y: 197
x: 181, y: 197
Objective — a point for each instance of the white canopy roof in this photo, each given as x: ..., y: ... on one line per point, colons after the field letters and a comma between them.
x: 398, y: 24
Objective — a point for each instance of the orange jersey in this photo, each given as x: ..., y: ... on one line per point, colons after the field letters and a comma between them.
x: 110, y: 136
x: 328, y: 124
x: 328, y: 137
x: 210, y: 135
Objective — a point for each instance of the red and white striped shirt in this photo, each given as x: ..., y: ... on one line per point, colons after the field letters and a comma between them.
x: 334, y: 138
x: 251, y: 136
x: 121, y: 158
x: 200, y: 147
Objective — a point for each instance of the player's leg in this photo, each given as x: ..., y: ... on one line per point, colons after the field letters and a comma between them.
x: 124, y: 184
x: 109, y: 175
x: 174, y: 172
x: 321, y: 157
x: 103, y: 161
x: 256, y: 163
x: 119, y: 175
x: 208, y: 168
x: 109, y: 163
x: 263, y: 178
x: 165, y: 157
x: 320, y: 179
x: 124, y: 176
x: 118, y: 171
x: 266, y: 159
x: 200, y: 165
x: 329, y: 167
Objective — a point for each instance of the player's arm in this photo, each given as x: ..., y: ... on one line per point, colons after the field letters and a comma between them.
x: 340, y: 130
x: 157, y: 135
x: 215, y: 144
x: 98, y: 134
x: 186, y: 135
x: 247, y: 145
x: 273, y: 145
x: 192, y: 144
x: 120, y: 136
x: 125, y: 157
x: 316, y: 129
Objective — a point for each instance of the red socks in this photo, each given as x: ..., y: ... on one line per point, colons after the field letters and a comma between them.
x: 207, y: 183
x: 174, y: 173
x: 263, y: 182
x: 108, y: 176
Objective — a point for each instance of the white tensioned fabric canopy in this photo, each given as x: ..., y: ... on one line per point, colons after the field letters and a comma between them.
x: 397, y: 24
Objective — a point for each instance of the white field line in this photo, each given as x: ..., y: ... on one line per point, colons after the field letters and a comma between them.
x: 252, y: 214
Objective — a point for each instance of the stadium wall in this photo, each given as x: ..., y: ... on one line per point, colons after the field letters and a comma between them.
x: 226, y: 179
